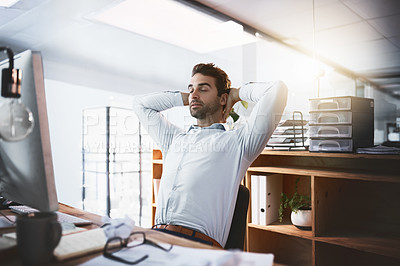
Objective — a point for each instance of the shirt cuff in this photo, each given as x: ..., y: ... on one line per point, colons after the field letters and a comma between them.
x: 176, y: 97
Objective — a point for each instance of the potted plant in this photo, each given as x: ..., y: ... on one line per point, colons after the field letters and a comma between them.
x: 300, y: 206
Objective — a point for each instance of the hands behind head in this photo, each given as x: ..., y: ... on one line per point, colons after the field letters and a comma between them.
x: 233, y: 97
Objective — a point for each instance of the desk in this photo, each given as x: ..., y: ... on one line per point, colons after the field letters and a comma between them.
x: 11, y: 256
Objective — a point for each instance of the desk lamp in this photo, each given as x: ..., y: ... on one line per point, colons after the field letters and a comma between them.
x: 16, y: 120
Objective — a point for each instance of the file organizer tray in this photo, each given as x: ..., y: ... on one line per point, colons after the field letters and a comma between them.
x: 331, y: 145
x: 342, y: 131
x: 297, y: 140
x: 341, y: 118
x: 347, y: 103
x: 330, y: 131
x: 327, y: 118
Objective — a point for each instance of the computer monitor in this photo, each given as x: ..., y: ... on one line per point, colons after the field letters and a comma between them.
x: 26, y: 167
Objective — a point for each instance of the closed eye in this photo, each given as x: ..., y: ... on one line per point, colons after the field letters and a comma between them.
x: 202, y: 87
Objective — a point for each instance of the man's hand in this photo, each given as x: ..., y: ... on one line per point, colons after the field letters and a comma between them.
x: 233, y: 97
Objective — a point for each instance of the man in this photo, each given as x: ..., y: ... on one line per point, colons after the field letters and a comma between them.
x: 203, y: 166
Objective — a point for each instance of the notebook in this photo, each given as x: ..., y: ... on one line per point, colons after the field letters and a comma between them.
x: 81, y: 243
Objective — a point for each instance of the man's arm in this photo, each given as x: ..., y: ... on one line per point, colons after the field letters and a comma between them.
x: 148, y: 109
x: 270, y: 98
x: 233, y: 97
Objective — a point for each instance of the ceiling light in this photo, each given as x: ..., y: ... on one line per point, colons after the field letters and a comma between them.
x: 7, y: 3
x: 175, y: 23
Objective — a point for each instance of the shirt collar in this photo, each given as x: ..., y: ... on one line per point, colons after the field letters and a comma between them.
x: 221, y: 126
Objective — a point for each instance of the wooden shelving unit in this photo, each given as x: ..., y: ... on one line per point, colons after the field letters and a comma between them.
x: 355, y: 202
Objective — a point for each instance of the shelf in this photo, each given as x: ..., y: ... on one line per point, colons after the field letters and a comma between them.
x: 378, y: 245
x: 330, y: 173
x: 283, y: 228
x: 329, y: 154
x: 374, y: 244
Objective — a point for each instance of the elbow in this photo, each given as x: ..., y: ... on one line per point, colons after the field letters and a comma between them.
x: 281, y: 91
x: 282, y: 87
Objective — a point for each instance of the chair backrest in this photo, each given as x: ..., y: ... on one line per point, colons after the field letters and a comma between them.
x: 239, y: 220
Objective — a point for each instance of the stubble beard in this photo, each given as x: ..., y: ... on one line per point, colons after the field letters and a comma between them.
x: 204, y: 111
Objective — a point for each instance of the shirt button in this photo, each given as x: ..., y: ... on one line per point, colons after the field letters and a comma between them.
x: 179, y: 168
x: 174, y: 188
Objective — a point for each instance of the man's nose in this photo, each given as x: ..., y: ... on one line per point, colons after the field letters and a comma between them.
x: 195, y: 93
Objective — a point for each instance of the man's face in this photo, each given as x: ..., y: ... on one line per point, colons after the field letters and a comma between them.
x: 203, y: 98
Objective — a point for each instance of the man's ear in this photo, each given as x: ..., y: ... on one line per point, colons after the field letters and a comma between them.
x: 223, y: 99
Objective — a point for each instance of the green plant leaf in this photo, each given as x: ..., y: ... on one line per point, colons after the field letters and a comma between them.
x: 245, y: 104
x: 234, y: 115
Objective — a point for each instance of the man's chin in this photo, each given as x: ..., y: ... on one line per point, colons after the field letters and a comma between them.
x: 195, y: 114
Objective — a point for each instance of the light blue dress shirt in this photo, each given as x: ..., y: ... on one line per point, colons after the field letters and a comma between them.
x: 203, y: 167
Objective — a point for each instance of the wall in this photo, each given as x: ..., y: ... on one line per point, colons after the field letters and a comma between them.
x: 65, y: 103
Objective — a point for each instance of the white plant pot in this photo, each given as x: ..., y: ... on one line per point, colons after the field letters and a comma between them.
x: 302, y: 219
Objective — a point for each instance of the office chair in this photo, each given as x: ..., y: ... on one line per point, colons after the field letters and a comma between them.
x: 239, y: 220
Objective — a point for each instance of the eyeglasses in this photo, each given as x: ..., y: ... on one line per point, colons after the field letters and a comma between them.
x: 135, y: 239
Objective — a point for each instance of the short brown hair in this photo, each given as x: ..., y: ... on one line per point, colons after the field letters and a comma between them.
x: 222, y: 80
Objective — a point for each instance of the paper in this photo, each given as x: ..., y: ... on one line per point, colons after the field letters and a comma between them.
x: 6, y: 243
x: 379, y: 150
x: 120, y: 227
x: 182, y: 256
x: 5, y: 223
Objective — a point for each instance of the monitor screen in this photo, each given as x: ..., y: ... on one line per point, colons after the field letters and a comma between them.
x: 26, y: 167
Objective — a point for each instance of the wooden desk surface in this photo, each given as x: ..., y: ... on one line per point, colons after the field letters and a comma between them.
x: 11, y: 257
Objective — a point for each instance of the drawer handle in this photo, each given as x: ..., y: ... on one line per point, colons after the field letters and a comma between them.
x: 335, y: 129
x: 328, y: 142
x: 329, y: 103
x: 322, y: 116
